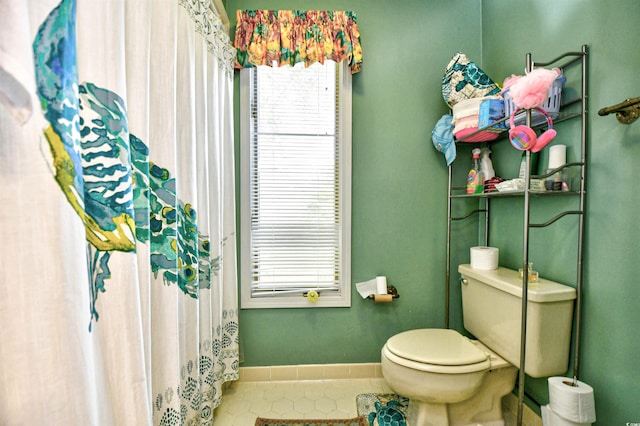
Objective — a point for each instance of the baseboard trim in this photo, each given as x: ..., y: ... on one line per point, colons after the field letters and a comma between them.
x: 311, y: 372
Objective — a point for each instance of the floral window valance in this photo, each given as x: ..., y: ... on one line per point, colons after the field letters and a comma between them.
x: 287, y: 37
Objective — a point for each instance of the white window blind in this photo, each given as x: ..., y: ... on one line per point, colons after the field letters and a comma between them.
x: 297, y: 198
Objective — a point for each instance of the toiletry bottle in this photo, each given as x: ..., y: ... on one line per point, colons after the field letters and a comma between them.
x: 533, y: 159
x: 485, y: 164
x: 523, y: 165
x: 475, y: 180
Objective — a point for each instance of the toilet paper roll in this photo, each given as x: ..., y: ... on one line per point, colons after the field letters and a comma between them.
x: 382, y: 298
x: 550, y: 418
x: 557, y: 156
x: 484, y: 257
x: 573, y: 403
x: 381, y: 285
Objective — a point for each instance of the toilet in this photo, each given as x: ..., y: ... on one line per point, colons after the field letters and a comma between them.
x: 453, y: 380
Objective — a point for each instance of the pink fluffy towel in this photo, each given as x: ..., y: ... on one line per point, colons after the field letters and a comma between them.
x: 531, y: 90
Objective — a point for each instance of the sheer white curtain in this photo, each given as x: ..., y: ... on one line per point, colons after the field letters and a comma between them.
x: 118, y: 301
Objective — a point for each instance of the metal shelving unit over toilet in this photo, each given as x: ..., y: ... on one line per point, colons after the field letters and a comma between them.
x: 564, y: 61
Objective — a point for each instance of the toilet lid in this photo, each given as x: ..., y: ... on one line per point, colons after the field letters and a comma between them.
x: 435, y: 346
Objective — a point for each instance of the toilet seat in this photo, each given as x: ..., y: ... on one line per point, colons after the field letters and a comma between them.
x: 436, y: 350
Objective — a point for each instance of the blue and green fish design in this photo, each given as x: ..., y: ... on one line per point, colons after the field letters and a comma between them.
x: 105, y: 172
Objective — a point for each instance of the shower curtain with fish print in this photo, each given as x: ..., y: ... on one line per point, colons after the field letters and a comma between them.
x: 118, y: 298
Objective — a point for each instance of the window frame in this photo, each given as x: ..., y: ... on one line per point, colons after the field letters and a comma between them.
x: 327, y: 299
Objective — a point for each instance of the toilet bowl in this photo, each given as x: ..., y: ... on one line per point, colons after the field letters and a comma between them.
x: 449, y: 379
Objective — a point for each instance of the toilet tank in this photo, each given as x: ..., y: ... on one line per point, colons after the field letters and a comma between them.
x: 492, y: 312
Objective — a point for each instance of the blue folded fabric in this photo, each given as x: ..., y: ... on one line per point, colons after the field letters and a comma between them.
x: 442, y: 137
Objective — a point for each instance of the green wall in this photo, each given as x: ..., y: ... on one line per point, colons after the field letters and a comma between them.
x: 399, y: 184
x: 610, y: 339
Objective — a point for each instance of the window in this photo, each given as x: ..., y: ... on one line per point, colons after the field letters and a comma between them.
x: 295, y: 185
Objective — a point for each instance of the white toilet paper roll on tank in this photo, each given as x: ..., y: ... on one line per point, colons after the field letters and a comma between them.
x: 381, y: 284
x: 484, y: 257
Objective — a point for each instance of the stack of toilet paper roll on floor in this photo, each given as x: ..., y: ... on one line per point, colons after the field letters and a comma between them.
x: 570, y: 404
x: 484, y: 257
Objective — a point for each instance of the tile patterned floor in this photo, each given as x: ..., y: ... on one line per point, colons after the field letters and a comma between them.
x: 244, y: 401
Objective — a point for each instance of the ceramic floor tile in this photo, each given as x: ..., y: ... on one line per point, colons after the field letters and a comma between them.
x: 303, y: 406
x: 326, y: 405
x: 244, y: 401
